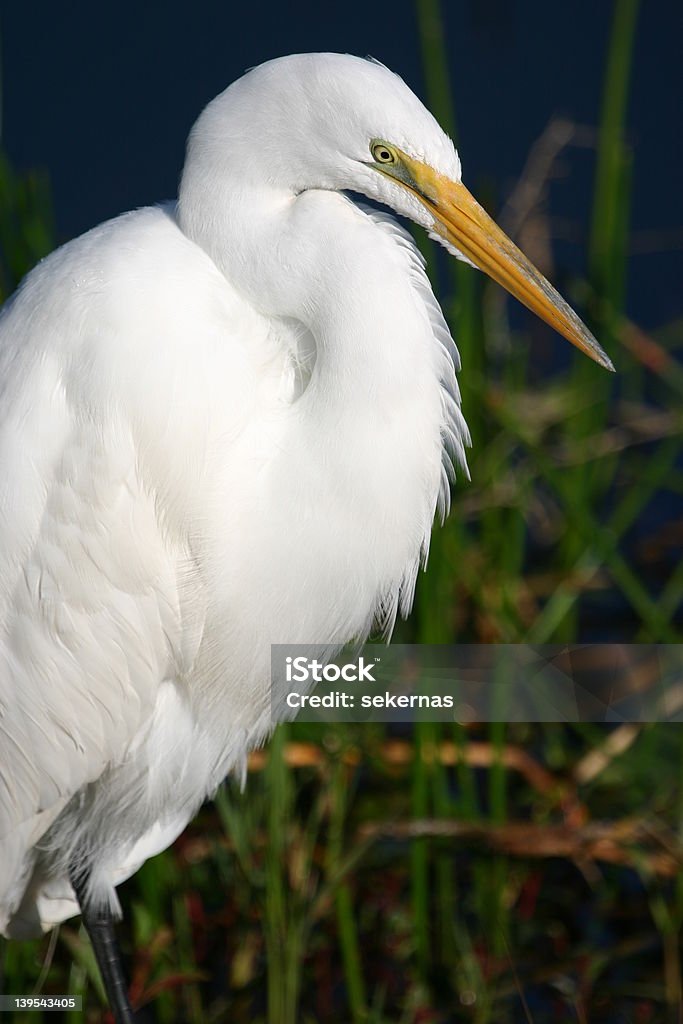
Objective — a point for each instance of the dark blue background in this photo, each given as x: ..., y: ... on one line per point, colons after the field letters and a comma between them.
x: 103, y: 97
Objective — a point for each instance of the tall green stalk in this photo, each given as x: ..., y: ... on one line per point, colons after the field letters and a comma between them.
x: 343, y: 899
x: 436, y: 591
x: 283, y: 934
x: 607, y: 264
x: 607, y: 248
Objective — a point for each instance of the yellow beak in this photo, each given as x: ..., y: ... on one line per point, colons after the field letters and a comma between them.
x: 460, y: 219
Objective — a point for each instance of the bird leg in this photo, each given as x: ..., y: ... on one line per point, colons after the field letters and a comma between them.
x: 99, y: 924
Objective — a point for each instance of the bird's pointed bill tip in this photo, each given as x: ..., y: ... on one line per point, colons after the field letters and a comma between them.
x: 607, y: 363
x: 575, y: 331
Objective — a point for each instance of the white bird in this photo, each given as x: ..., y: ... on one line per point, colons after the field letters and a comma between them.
x: 225, y: 422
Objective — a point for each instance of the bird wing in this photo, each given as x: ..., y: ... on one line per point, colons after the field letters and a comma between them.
x: 115, y: 356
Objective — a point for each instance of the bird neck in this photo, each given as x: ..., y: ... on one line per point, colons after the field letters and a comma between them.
x: 363, y: 446
x: 318, y: 260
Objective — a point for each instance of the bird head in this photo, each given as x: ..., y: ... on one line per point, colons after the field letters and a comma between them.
x: 342, y: 123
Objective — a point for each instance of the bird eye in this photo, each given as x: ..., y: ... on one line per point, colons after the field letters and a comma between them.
x: 382, y: 153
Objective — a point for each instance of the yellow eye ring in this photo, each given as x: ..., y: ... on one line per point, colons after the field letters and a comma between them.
x: 382, y: 153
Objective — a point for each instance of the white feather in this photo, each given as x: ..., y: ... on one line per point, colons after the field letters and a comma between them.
x: 223, y: 425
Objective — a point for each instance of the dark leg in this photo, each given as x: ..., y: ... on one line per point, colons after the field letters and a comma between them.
x: 99, y: 925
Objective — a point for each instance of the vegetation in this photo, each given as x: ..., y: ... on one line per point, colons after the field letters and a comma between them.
x: 488, y: 873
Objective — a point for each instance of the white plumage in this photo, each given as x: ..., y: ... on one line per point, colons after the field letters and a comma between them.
x: 224, y: 423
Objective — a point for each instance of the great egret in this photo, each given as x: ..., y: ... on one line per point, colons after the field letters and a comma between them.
x: 225, y: 422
